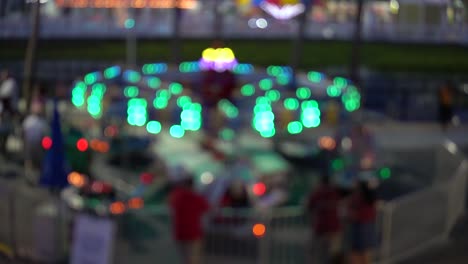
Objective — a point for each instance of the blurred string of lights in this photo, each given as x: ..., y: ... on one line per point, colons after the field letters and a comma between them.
x: 190, y: 117
x: 94, y: 101
x: 154, y: 68
x: 228, y: 108
x: 79, y: 181
x: 79, y: 94
x: 112, y: 72
x: 263, y: 118
x: 92, y: 77
x: 310, y: 114
x: 264, y: 92
x: 189, y: 66
x: 137, y: 112
x: 132, y: 76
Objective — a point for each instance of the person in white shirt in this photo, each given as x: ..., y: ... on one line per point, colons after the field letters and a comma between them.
x: 8, y: 92
x: 35, y: 128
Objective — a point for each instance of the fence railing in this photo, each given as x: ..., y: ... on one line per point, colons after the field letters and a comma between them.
x: 406, y: 225
x: 417, y: 221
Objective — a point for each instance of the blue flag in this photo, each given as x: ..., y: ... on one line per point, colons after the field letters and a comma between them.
x: 55, y: 168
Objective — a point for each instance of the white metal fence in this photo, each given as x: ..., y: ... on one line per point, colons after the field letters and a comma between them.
x: 417, y: 221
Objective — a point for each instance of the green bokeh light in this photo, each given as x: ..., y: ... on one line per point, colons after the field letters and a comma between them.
x: 160, y: 103
x: 78, y: 101
x: 247, y: 90
x: 268, y: 133
x: 153, y: 127
x: 303, y: 93
x: 181, y: 101
x: 131, y: 91
x: 154, y: 82
x: 133, y: 76
x: 309, y: 104
x: 137, y: 114
x: 227, y: 134
x: 385, y: 173
x: 265, y: 84
x: 310, y: 117
x: 262, y: 100
x: 111, y: 72
x: 295, y: 127
x: 282, y: 79
x: 337, y: 164
x: 91, y: 78
x: 291, y: 103
x: 315, y: 77
x: 176, y: 88
x: 177, y: 131
x: 340, y: 82
x: 273, y: 95
x: 333, y: 91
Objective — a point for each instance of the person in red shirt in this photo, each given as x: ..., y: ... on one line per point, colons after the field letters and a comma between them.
x: 323, y: 204
x: 187, y: 208
x: 362, y: 216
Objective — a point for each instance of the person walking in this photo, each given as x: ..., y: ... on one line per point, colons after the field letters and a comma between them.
x: 187, y: 209
x: 445, y: 105
x: 35, y: 127
x: 362, y: 217
x: 323, y: 205
x: 8, y: 92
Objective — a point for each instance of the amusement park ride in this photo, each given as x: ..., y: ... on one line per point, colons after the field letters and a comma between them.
x: 235, y: 111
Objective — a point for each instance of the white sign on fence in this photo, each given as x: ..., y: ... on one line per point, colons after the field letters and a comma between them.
x: 93, y: 240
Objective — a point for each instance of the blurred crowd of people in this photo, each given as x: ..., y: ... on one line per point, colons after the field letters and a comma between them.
x: 30, y: 124
x: 343, y: 226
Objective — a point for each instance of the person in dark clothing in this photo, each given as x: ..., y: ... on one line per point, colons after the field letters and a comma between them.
x: 323, y: 205
x: 236, y: 196
x: 362, y: 215
x: 445, y: 105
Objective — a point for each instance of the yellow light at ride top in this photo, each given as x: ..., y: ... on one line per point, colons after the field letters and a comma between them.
x: 219, y: 54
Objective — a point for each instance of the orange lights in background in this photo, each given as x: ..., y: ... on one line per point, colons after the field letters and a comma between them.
x: 135, y: 203
x: 99, y: 146
x: 76, y: 179
x: 327, y: 143
x: 117, y: 208
x: 259, y: 230
x: 184, y: 4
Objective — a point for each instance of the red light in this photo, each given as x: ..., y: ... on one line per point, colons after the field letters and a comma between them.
x: 46, y: 143
x: 259, y: 188
x: 146, y: 178
x: 82, y: 144
x: 259, y: 230
x: 97, y: 187
x: 110, y: 131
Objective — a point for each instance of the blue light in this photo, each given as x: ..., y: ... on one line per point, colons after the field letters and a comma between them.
x: 129, y: 23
